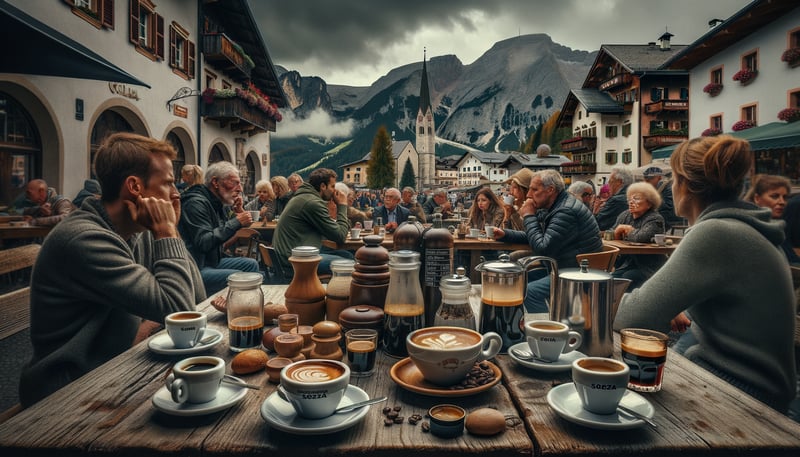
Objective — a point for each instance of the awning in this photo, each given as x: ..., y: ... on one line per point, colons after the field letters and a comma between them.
x: 38, y: 49
x: 775, y: 135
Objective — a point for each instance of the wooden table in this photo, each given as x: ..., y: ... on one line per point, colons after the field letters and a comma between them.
x: 265, y: 229
x: 30, y: 232
x: 627, y: 247
x: 109, y: 411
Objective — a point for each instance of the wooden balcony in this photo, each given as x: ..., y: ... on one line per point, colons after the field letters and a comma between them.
x: 657, y: 141
x: 239, y: 115
x: 616, y: 80
x: 221, y: 52
x: 579, y: 144
x: 579, y: 168
x: 666, y: 105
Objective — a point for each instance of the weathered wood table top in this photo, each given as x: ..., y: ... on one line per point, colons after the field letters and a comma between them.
x: 109, y: 411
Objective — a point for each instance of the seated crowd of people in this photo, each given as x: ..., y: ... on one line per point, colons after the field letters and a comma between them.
x: 160, y: 245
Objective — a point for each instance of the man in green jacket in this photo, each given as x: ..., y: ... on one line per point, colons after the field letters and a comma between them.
x: 306, y: 220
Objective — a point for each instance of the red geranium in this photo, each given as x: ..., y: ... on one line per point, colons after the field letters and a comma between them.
x: 744, y: 75
x: 743, y: 125
x: 711, y: 132
x: 713, y: 89
x: 789, y: 114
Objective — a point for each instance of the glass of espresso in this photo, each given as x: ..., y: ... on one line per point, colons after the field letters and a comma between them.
x: 645, y: 352
x: 362, y: 346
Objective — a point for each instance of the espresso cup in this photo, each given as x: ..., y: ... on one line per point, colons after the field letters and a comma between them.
x: 367, y: 225
x: 185, y: 328
x: 255, y: 215
x: 355, y: 233
x: 660, y: 239
x: 645, y: 353
x: 315, y: 387
x: 474, y: 232
x: 444, y: 355
x: 600, y: 383
x: 196, y: 379
x: 489, y: 229
x: 549, y: 339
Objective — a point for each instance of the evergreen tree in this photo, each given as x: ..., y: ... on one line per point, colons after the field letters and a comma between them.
x: 407, y: 179
x: 381, y: 162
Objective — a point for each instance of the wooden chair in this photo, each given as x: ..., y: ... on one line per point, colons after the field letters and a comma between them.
x: 274, y: 269
x: 244, y: 243
x: 603, y: 260
x: 15, y: 314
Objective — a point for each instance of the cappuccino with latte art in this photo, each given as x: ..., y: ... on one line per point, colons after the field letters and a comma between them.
x: 315, y: 387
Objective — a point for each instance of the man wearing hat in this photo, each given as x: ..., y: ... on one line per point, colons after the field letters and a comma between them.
x: 519, y: 184
x: 655, y: 176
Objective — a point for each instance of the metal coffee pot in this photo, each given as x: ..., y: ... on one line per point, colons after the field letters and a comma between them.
x: 587, y: 300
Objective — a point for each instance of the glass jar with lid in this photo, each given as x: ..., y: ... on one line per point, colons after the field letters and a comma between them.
x: 456, y: 310
x: 245, y: 309
x: 337, y: 294
x: 404, y: 310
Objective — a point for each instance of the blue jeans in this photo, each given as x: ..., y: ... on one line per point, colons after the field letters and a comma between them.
x: 216, y: 279
x: 329, y: 255
x: 538, y: 290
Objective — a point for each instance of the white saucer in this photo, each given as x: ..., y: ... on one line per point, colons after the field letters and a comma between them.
x: 280, y: 415
x: 227, y: 396
x: 564, y: 362
x: 161, y: 343
x: 566, y: 403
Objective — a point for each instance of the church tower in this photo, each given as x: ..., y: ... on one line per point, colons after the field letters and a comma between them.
x: 426, y: 134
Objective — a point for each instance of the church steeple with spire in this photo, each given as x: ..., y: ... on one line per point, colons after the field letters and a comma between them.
x: 426, y: 133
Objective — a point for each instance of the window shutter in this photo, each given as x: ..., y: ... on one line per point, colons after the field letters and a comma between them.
x: 190, y: 56
x: 134, y: 22
x: 107, y: 14
x: 159, y: 45
x: 70, y: 2
x: 173, y: 61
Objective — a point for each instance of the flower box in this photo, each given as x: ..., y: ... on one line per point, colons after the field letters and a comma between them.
x: 711, y: 132
x: 791, y: 56
x: 745, y: 76
x: 789, y: 114
x: 713, y: 89
x: 743, y: 125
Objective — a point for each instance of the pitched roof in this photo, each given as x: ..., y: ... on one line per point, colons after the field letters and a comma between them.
x: 638, y: 58
x: 597, y: 101
x: 397, y: 149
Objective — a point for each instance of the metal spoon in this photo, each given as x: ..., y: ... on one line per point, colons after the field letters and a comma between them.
x: 630, y: 412
x: 527, y: 356
x: 354, y: 406
x: 231, y: 380
x: 209, y: 339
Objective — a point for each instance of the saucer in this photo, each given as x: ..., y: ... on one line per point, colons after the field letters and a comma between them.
x: 564, y: 362
x: 227, y: 396
x: 280, y: 415
x: 161, y: 343
x: 566, y: 403
x: 408, y: 376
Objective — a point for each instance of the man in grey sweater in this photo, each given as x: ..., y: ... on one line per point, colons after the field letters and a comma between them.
x: 107, y: 266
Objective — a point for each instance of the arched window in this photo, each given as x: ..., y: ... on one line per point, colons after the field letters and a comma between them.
x: 249, y: 181
x: 180, y: 160
x: 20, y: 149
x: 215, y: 155
x: 109, y: 122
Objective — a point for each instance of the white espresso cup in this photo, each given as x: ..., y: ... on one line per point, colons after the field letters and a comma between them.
x: 196, y: 379
x: 549, y: 339
x: 600, y: 382
x: 185, y: 328
x: 508, y: 200
x: 355, y: 233
x: 315, y: 387
x: 367, y: 224
x: 489, y: 229
x: 444, y: 355
x: 255, y: 215
x: 660, y: 239
x: 474, y: 233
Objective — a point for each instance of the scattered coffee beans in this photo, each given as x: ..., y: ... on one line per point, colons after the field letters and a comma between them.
x: 480, y: 374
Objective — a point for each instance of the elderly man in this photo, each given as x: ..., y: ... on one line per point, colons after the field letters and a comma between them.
x: 42, y: 205
x: 205, y: 225
x: 438, y: 203
x: 583, y: 191
x: 391, y: 213
x: 306, y: 220
x: 112, y: 263
x: 655, y: 177
x: 557, y: 225
x: 410, y: 203
x: 618, y: 182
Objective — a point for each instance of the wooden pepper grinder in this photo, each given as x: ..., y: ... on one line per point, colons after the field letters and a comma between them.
x: 306, y: 331
x: 305, y: 295
x: 289, y: 345
x: 326, y: 339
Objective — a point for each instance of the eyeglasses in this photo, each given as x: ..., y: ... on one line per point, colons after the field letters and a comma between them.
x: 586, y: 194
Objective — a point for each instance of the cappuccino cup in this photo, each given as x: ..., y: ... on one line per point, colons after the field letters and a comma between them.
x: 185, y: 328
x: 315, y: 387
x: 549, y: 339
x: 660, y: 239
x: 444, y: 355
x: 600, y: 383
x: 196, y: 379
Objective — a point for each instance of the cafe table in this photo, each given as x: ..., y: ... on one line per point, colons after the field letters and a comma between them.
x: 9, y: 231
x: 109, y: 412
x: 633, y: 248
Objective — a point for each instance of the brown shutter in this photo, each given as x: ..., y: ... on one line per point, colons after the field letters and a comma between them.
x: 107, y: 14
x: 159, y: 45
x: 173, y: 62
x: 190, y: 54
x: 134, y: 21
x: 70, y: 2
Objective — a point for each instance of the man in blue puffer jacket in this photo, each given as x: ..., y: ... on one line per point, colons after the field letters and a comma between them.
x: 557, y: 225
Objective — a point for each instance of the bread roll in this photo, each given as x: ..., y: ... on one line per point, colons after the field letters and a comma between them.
x: 272, y: 311
x: 249, y: 361
x: 485, y: 421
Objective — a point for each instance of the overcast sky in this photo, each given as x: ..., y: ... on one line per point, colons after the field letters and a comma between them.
x: 355, y: 42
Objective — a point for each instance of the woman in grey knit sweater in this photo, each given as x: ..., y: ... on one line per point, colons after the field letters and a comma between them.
x: 728, y: 272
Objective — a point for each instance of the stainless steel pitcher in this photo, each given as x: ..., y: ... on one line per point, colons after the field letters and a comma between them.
x: 587, y: 301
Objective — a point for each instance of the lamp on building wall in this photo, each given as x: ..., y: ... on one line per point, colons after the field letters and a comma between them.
x: 264, y: 159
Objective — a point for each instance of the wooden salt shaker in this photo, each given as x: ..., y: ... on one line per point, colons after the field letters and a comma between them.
x: 326, y: 339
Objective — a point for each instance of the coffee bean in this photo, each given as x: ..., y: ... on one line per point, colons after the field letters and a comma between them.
x: 392, y: 414
x: 386, y: 410
x: 388, y: 422
x: 397, y: 408
x: 426, y: 427
x: 399, y: 419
